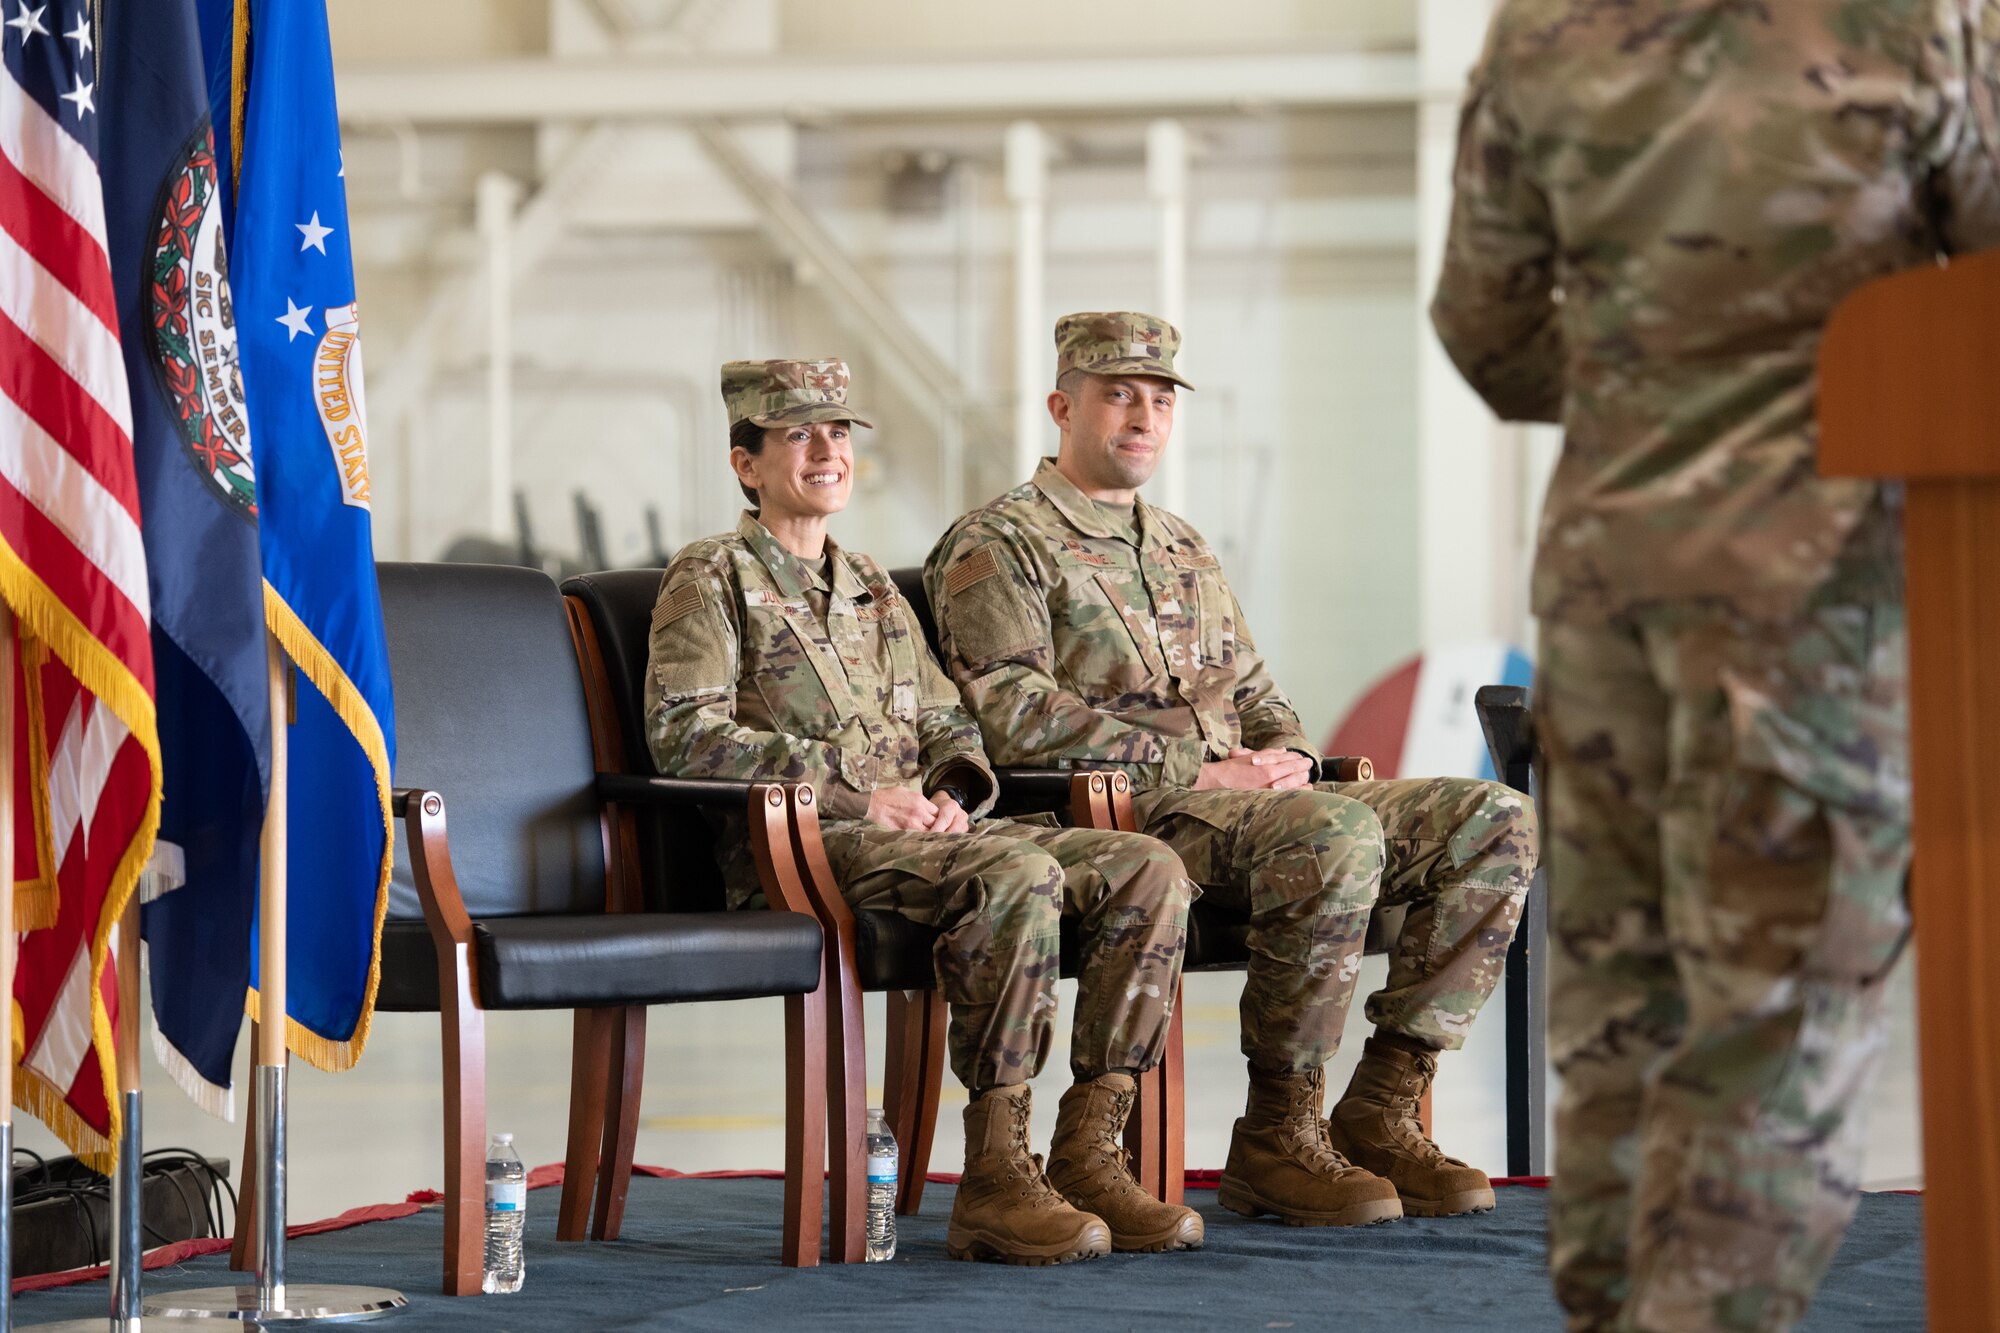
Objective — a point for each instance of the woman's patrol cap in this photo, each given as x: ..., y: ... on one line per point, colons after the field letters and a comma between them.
x: 787, y: 393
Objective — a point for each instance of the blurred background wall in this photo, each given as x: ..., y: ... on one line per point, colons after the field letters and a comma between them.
x: 567, y: 213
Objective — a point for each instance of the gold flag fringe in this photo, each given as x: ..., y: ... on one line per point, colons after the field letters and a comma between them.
x: 100, y: 671
x: 335, y: 1054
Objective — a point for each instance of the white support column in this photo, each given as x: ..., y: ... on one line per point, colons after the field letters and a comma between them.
x: 1465, y: 479
x: 498, y: 194
x: 1167, y: 185
x: 1027, y: 170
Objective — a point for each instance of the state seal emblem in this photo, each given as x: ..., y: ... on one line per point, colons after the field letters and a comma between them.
x: 191, y: 328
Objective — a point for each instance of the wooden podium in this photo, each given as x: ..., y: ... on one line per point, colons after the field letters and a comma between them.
x: 1909, y: 387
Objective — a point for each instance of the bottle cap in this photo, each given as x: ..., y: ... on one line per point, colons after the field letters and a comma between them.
x: 503, y: 1138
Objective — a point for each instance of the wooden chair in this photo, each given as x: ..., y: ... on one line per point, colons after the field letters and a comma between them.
x: 611, y: 613
x: 530, y: 902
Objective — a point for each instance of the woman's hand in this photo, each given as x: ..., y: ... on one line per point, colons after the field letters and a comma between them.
x: 901, y: 808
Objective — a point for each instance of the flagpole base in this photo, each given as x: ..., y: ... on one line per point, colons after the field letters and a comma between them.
x: 305, y: 1302
x: 145, y: 1324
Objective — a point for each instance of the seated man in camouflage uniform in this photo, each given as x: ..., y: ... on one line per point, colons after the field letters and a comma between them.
x: 1086, y: 627
x: 776, y: 654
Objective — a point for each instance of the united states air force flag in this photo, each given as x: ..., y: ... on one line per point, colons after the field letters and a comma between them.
x: 300, y: 337
x: 198, y: 494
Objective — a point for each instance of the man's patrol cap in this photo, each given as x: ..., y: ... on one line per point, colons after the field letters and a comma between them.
x: 1117, y: 342
x: 787, y: 393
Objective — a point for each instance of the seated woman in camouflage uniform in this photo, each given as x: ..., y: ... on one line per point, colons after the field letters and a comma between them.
x: 777, y: 654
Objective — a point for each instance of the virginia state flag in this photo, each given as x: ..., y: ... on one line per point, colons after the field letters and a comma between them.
x: 198, y: 495
x: 299, y: 334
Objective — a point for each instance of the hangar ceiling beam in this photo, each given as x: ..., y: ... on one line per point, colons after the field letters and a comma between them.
x: 811, y: 87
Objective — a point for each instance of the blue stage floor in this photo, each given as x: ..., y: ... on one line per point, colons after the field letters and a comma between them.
x: 701, y: 1254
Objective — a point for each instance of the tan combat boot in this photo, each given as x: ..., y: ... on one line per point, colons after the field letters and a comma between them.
x: 1280, y: 1162
x: 1091, y: 1168
x: 1006, y: 1209
x: 1376, y: 1125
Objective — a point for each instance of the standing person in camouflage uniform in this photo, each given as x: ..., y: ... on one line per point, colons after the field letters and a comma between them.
x: 1658, y: 205
x: 776, y: 654
x: 1086, y: 627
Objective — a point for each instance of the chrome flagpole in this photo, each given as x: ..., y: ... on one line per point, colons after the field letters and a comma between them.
x: 9, y: 942
x: 273, y: 1299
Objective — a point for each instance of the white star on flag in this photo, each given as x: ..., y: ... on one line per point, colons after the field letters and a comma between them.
x: 294, y: 319
x: 315, y: 235
x: 80, y: 35
x: 28, y: 21
x: 81, y: 95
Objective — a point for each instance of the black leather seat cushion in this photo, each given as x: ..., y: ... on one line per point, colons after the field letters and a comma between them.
x: 892, y: 952
x: 1218, y: 936
x: 644, y: 958
x: 565, y: 962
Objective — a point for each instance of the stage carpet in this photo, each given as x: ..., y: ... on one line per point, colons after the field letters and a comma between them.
x: 700, y: 1253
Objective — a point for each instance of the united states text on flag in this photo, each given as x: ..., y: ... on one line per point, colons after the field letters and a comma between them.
x: 73, y: 571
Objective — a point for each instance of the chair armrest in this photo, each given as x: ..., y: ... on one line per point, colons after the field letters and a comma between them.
x: 1346, y: 768
x: 1509, y: 727
x: 1031, y: 790
x: 646, y: 789
x: 422, y: 813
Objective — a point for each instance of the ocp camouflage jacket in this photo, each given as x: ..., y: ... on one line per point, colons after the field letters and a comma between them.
x: 1072, y: 645
x: 758, y: 670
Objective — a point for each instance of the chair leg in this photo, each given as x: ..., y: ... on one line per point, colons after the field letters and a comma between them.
x: 243, y: 1245
x: 912, y: 1079
x: 464, y: 1031
x: 626, y: 1075
x: 1156, y: 1132
x: 589, y: 1081
x: 805, y: 1127
x: 846, y: 1126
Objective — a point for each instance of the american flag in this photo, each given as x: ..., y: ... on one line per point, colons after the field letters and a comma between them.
x: 72, y: 569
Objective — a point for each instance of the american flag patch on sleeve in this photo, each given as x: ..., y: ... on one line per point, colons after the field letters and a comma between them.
x: 975, y: 568
x: 680, y: 602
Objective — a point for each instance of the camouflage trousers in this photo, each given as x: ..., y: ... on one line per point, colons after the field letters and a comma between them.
x: 999, y: 894
x: 1729, y: 809
x: 1310, y: 866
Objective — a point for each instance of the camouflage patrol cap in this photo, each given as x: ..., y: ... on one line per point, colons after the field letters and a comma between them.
x: 786, y: 393
x: 1118, y: 342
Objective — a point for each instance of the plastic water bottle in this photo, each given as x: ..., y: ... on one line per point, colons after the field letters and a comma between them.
x: 881, y: 1188
x: 506, y: 1215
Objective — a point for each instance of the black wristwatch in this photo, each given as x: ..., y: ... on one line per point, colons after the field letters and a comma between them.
x: 956, y: 794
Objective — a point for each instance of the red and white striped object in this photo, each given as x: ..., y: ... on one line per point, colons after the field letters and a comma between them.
x: 73, y: 571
